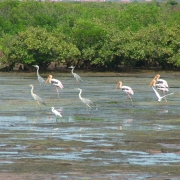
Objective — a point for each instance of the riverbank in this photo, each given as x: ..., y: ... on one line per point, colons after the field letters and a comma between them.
x: 86, y: 72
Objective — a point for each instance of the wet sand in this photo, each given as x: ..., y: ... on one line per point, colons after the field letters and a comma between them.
x: 113, y: 140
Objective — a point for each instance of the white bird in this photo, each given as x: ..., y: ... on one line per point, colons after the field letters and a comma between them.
x: 162, y: 87
x: 128, y: 90
x: 55, y: 82
x: 161, y: 81
x: 158, y: 95
x: 36, y: 97
x: 78, y: 78
x: 40, y: 79
x: 56, y: 112
x: 88, y: 102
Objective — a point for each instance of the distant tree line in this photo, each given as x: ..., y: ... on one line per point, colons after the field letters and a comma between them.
x: 105, y: 35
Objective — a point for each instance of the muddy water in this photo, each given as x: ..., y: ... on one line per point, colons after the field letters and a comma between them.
x: 113, y: 140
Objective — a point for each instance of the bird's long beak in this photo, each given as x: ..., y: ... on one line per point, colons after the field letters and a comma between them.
x: 156, y: 76
x: 153, y: 82
x: 117, y: 85
x: 47, y: 80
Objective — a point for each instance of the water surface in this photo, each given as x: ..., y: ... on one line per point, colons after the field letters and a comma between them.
x: 112, y: 140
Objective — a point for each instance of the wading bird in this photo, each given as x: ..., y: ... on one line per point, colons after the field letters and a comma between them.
x: 56, y: 112
x: 128, y: 90
x: 36, y: 97
x: 161, y: 81
x: 78, y: 78
x: 158, y: 95
x: 40, y: 79
x: 88, y: 102
x: 158, y: 86
x: 55, y: 82
x: 162, y: 87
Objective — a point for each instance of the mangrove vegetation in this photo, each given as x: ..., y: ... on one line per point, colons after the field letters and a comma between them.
x: 92, y: 35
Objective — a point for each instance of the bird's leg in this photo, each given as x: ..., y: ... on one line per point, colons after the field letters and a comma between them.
x: 130, y: 99
x: 165, y: 96
x: 125, y: 100
x: 55, y: 88
x: 89, y: 110
x: 57, y: 91
x: 36, y: 104
x: 86, y: 109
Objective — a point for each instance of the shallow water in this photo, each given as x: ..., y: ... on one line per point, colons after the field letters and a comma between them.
x: 112, y: 140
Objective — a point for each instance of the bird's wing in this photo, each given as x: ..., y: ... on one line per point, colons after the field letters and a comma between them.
x: 87, y: 101
x: 157, y: 94
x: 59, y: 84
x: 162, y: 81
x: 160, y: 85
x: 127, y: 89
x: 37, y: 98
x: 41, y: 80
x: 57, y: 113
x: 163, y: 89
x: 78, y: 78
x: 54, y: 80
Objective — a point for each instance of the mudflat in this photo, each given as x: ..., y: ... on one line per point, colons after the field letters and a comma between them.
x: 112, y: 140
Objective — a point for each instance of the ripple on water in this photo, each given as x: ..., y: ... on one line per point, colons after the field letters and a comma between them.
x: 99, y: 134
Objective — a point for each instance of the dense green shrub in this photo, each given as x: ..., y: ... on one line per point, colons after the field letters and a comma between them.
x: 90, y: 35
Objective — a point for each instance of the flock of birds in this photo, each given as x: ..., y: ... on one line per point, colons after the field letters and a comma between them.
x: 157, y: 84
x: 161, y: 85
x: 57, y: 84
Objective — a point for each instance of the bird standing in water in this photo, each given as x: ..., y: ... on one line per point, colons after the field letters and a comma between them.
x: 128, y: 90
x: 55, y: 82
x: 40, y: 79
x: 160, y: 84
x: 87, y: 102
x: 56, y: 112
x: 36, y: 97
x: 161, y: 81
x: 77, y: 77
